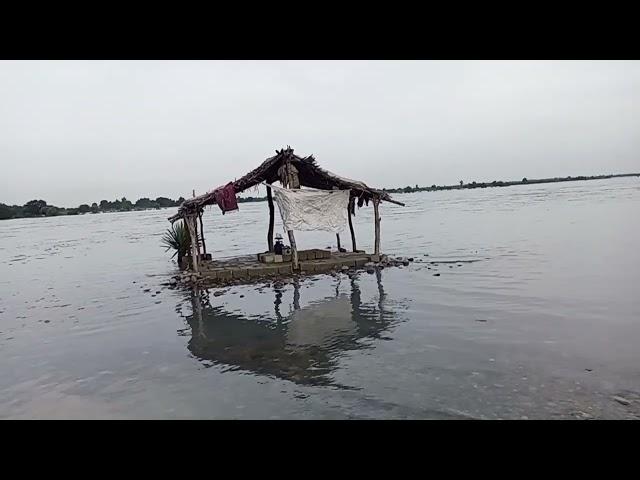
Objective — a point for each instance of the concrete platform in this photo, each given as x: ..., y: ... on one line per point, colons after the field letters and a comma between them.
x: 248, y: 266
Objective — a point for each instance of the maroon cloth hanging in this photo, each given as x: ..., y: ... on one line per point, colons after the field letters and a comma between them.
x: 226, y: 198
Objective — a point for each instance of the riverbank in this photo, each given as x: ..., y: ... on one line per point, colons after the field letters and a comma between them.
x: 496, y: 183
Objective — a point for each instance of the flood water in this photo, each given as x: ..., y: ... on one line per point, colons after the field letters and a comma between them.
x: 535, y: 314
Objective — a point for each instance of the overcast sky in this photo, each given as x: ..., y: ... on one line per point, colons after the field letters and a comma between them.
x: 76, y: 132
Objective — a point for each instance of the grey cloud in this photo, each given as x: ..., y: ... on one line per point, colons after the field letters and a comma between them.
x: 79, y: 131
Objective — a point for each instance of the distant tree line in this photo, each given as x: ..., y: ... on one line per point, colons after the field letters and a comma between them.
x: 40, y: 208
x: 251, y: 199
x: 499, y: 183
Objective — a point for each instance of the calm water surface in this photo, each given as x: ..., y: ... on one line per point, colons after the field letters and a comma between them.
x: 535, y: 314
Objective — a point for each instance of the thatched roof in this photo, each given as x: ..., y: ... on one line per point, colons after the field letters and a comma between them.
x: 310, y: 174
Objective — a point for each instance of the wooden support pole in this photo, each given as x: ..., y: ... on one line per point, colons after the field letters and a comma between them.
x: 191, y: 222
x: 294, y: 250
x: 204, y: 245
x: 292, y: 181
x: 337, y: 234
x: 197, y: 237
x: 271, y: 219
x: 376, y: 214
x: 353, y: 235
x: 395, y: 201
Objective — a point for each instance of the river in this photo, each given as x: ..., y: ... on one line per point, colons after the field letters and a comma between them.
x: 535, y: 314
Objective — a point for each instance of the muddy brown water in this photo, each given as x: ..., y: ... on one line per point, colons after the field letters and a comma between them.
x: 535, y: 313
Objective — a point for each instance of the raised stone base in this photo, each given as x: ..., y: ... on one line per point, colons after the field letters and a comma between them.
x: 249, y: 267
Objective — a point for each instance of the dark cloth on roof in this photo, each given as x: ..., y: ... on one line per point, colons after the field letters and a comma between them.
x: 225, y: 197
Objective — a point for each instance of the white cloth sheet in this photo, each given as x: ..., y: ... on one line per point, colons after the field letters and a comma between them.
x: 312, y: 209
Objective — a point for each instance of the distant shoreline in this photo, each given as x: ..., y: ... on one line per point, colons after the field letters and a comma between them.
x: 496, y: 183
x: 39, y: 208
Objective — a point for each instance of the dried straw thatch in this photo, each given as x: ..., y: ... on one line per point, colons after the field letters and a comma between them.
x: 309, y: 174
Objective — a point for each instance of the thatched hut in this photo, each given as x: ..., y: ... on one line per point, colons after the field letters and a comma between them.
x: 292, y: 172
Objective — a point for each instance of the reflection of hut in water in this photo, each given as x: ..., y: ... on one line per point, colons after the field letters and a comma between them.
x: 302, y: 346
